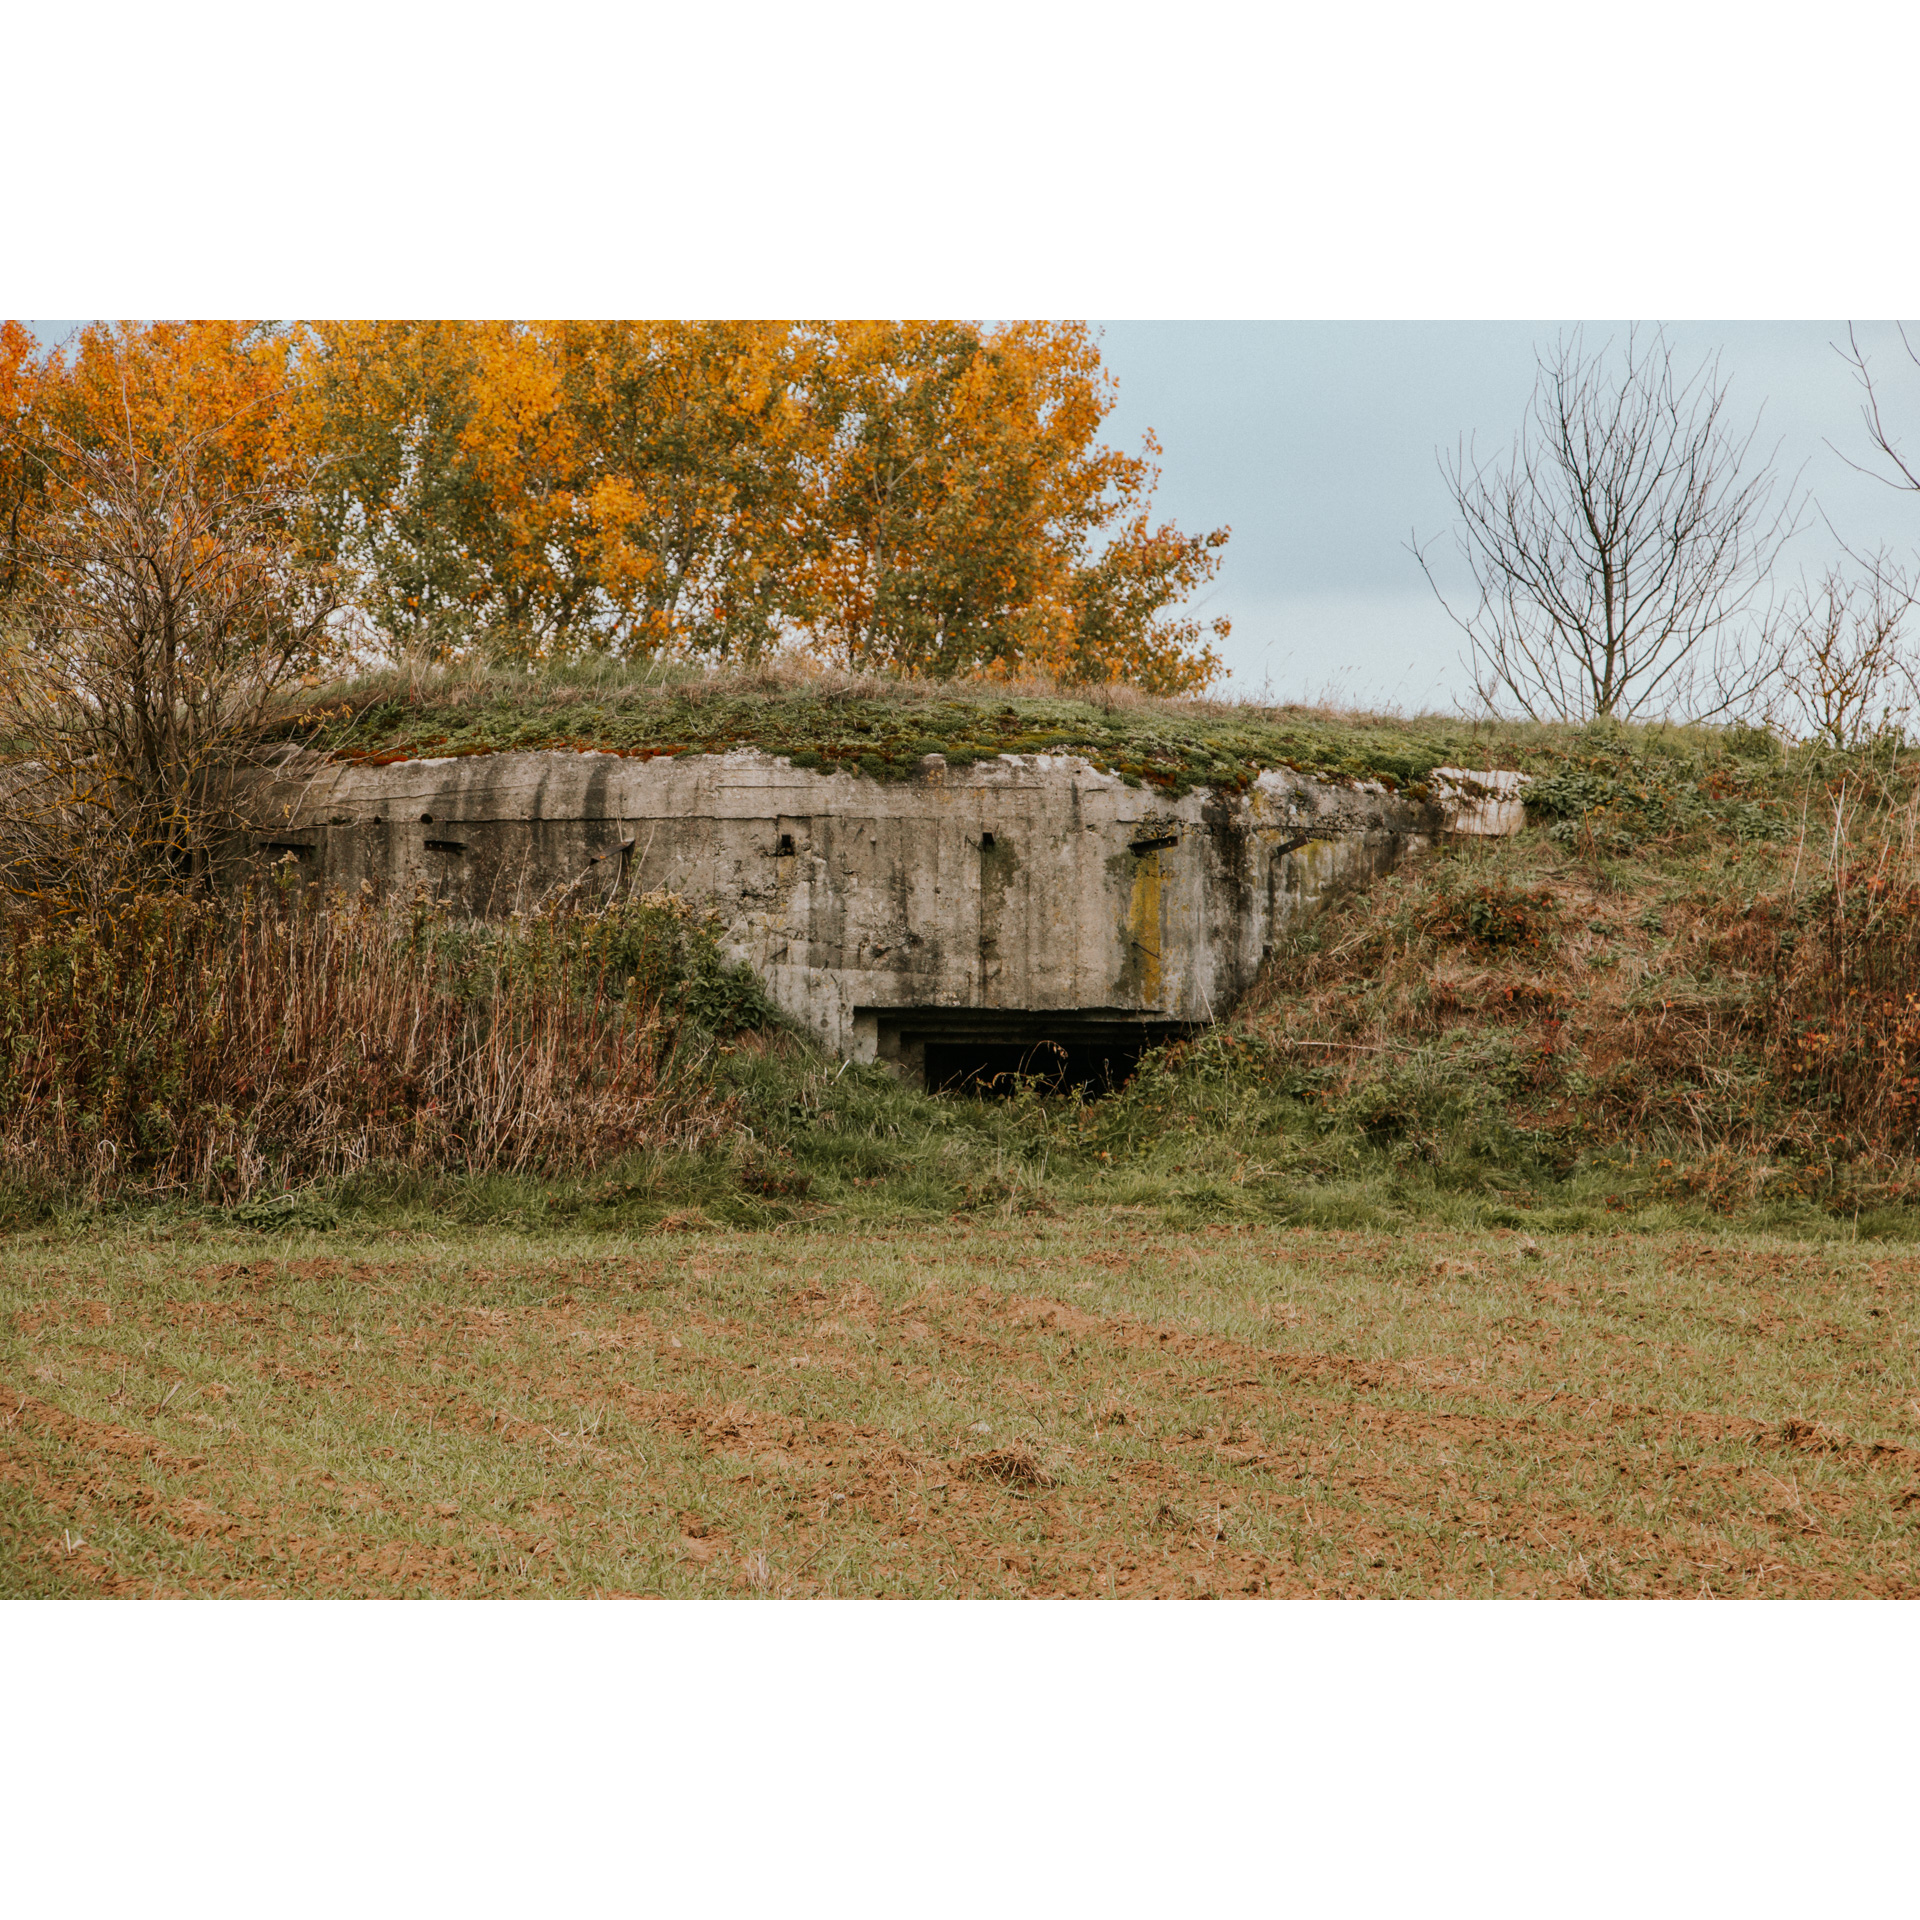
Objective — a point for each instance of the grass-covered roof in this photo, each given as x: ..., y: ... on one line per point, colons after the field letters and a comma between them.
x: 882, y: 729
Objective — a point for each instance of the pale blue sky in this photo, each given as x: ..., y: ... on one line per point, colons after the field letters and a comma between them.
x: 1315, y: 441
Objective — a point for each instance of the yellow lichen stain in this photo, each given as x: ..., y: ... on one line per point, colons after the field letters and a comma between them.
x: 1142, y: 972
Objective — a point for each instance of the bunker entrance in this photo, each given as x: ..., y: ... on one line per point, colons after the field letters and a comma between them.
x: 992, y: 1050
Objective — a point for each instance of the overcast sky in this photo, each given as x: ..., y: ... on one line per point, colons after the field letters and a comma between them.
x: 1315, y: 442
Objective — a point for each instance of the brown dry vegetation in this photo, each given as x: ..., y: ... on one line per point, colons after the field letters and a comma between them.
x: 1717, y: 1022
x: 217, y: 1047
x: 1100, y: 1406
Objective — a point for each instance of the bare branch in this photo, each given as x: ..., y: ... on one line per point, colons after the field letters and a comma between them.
x: 1846, y: 672
x: 1621, y: 551
x: 1908, y: 480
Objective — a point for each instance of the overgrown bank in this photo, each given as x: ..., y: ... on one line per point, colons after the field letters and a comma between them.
x: 1687, y: 991
x: 228, y: 1050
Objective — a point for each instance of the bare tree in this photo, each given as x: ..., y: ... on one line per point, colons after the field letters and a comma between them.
x: 1845, y: 673
x: 1622, y: 551
x: 160, y: 609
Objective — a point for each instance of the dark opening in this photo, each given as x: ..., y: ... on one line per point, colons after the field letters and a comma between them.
x: 992, y: 1050
x: 986, y: 841
x: 999, y: 1066
x: 786, y: 843
x: 426, y: 819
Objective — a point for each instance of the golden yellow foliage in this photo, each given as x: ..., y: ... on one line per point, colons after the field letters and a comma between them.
x: 918, y: 496
x: 147, y: 390
x: 18, y: 478
x: 157, y: 600
x: 691, y: 437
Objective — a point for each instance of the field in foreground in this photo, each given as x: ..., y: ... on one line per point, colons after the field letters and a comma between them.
x: 1100, y: 1404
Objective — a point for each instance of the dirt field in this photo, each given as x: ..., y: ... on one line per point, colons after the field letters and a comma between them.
x: 1102, y: 1405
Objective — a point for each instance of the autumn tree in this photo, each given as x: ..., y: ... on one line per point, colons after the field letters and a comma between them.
x: 965, y: 517
x: 388, y: 401
x: 689, y: 443
x: 1127, y: 626
x: 921, y: 510
x: 533, y: 490
x: 929, y: 497
x: 143, y: 390
x: 224, y: 385
x: 21, y: 473
x: 444, y: 486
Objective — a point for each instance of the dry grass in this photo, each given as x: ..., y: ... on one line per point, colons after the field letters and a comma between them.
x: 218, y: 1048
x: 883, y: 726
x: 476, y: 682
x: 1627, y: 982
x: 1092, y: 1406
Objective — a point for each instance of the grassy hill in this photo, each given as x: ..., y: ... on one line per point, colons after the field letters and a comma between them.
x: 1683, y: 991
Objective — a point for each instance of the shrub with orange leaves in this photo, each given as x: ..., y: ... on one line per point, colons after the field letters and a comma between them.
x: 20, y: 473
x: 140, y: 393
x: 157, y: 602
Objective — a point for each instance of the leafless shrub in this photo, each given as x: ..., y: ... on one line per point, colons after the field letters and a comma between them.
x: 159, y: 611
x: 1845, y: 673
x: 1621, y: 552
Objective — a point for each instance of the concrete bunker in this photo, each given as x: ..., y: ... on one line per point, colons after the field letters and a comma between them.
x: 1028, y: 913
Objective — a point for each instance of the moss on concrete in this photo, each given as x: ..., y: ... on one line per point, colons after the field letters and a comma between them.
x: 883, y: 730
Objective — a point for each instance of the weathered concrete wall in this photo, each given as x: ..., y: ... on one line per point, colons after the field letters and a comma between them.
x: 1017, y: 886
